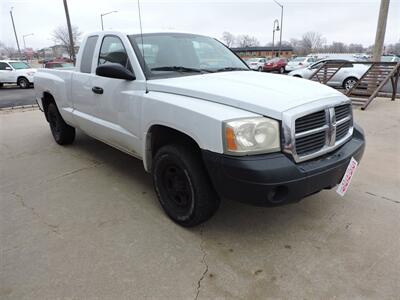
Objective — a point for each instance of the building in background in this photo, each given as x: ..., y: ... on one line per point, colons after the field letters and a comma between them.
x: 266, y: 51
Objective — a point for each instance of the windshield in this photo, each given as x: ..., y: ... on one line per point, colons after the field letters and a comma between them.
x: 298, y: 59
x: 18, y: 65
x: 177, y: 54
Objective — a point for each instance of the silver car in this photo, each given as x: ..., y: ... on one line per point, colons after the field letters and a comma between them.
x: 298, y: 63
x: 346, y: 77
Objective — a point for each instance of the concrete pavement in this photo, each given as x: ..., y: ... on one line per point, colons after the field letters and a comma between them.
x: 83, y: 222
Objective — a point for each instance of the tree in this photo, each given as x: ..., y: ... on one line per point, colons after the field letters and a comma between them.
x: 338, y: 47
x: 312, y: 41
x: 355, y: 48
x: 61, y: 37
x: 228, y: 38
x: 9, y: 51
x: 246, y: 40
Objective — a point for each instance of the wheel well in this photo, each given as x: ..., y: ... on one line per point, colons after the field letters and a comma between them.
x: 46, y: 100
x: 159, y: 135
x: 298, y: 76
x: 20, y: 77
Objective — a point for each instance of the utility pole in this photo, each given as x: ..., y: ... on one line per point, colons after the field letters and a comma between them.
x: 280, y: 34
x: 71, y: 38
x: 15, y: 32
x: 381, y: 30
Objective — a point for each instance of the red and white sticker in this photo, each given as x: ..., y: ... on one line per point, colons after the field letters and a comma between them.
x: 344, y: 184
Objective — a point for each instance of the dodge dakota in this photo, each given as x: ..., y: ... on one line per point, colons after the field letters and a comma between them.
x: 204, y: 124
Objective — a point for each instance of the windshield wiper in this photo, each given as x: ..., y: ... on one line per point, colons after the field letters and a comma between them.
x: 178, y: 69
x: 231, y: 69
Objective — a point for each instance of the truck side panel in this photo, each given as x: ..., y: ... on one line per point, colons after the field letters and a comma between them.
x: 58, y: 84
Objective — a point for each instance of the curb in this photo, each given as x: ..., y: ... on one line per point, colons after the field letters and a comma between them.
x: 19, y: 108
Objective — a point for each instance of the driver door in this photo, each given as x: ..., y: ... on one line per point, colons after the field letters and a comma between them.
x: 117, y: 101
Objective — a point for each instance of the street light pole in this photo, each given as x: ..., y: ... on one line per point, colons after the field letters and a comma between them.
x: 280, y: 38
x: 71, y: 38
x: 15, y: 32
x: 24, y: 36
x: 275, y: 27
x: 102, y: 15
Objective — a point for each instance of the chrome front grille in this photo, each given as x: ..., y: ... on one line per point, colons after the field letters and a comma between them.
x: 312, y: 134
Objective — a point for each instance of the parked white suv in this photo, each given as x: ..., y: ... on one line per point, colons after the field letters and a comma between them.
x: 19, y: 72
x: 205, y: 126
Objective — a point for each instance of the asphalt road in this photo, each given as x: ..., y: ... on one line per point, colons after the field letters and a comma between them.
x: 82, y: 222
x: 12, y: 95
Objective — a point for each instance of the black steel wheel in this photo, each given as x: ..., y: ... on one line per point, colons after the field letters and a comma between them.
x: 182, y: 185
x: 63, y: 133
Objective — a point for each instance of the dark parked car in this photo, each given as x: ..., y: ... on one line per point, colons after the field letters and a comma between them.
x: 57, y: 64
x: 275, y: 65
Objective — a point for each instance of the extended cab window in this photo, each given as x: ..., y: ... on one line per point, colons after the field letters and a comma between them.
x: 87, y: 56
x: 113, y: 51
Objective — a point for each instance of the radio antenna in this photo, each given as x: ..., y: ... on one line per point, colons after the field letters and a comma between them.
x: 141, y: 37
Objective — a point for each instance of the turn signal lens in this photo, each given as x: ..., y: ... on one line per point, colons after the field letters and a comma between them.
x: 230, y: 139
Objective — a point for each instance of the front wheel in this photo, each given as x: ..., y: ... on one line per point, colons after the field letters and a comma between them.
x: 182, y: 185
x: 63, y: 133
x: 260, y: 69
x: 349, y: 83
x: 23, y: 83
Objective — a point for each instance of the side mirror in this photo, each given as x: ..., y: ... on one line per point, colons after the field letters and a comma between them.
x: 116, y: 71
x: 8, y: 69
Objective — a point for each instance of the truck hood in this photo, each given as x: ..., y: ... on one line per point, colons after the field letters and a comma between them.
x: 261, y: 93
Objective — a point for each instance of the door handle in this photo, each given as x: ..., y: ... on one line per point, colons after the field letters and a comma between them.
x: 97, y: 90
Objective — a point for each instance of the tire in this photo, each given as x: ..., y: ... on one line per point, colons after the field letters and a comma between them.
x: 1, y: 85
x: 349, y: 83
x: 182, y: 185
x: 260, y: 69
x: 63, y: 133
x: 281, y: 70
x: 23, y: 83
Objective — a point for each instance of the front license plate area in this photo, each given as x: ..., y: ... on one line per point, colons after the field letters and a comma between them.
x: 348, y: 175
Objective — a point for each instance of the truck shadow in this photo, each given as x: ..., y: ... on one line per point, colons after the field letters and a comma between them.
x: 233, y: 217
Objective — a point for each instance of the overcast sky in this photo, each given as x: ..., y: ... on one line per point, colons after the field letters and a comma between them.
x: 352, y: 21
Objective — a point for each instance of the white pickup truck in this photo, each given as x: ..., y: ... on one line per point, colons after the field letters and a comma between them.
x: 205, y: 126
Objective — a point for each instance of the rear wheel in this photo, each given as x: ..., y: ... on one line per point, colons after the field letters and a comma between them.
x: 1, y: 85
x: 23, y: 83
x: 182, y: 185
x: 281, y: 70
x: 63, y: 133
x: 260, y: 69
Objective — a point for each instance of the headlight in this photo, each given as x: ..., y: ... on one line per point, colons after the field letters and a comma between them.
x: 251, y: 136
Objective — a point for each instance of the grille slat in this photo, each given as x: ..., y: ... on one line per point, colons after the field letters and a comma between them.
x: 311, y: 121
x: 311, y: 143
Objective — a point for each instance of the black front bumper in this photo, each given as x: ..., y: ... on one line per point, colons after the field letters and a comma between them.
x: 275, y: 179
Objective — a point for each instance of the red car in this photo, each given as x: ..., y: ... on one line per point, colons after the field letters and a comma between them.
x: 276, y: 64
